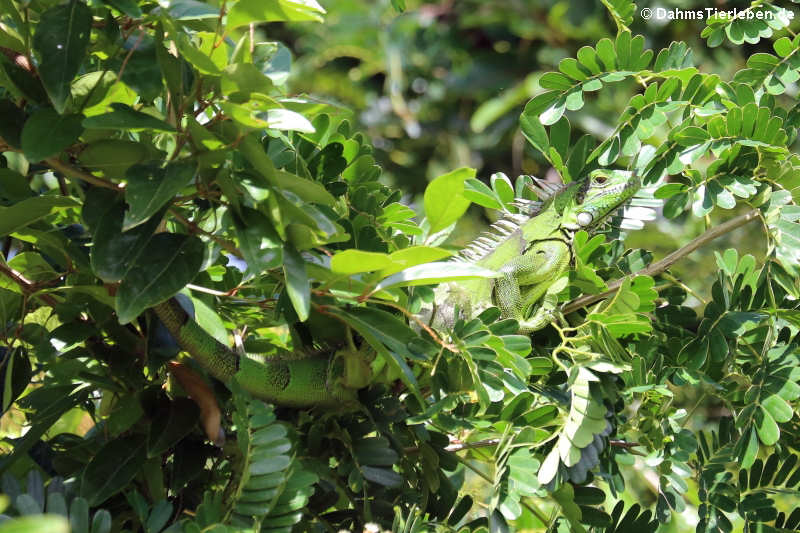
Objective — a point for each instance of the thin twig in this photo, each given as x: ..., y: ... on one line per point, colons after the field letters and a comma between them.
x: 662, y: 265
x: 72, y: 172
x: 28, y: 287
x: 129, y: 54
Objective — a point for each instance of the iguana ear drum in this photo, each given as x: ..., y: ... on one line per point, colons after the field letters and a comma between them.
x: 584, y: 218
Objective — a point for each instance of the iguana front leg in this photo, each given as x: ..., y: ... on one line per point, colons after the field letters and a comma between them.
x: 525, y: 281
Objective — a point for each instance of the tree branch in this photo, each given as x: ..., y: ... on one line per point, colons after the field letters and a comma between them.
x: 28, y: 287
x: 662, y: 265
x: 75, y: 173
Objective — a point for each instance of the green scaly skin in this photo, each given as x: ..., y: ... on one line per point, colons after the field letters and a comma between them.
x: 531, y: 252
x: 291, y: 382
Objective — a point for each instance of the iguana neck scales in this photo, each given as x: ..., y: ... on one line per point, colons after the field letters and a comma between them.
x: 531, y: 250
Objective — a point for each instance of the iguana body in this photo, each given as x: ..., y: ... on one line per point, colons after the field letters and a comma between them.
x: 531, y: 251
x: 294, y: 382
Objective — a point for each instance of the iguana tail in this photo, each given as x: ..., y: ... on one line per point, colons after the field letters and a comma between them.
x: 304, y: 382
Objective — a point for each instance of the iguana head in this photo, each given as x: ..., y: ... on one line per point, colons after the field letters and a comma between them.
x: 586, y: 203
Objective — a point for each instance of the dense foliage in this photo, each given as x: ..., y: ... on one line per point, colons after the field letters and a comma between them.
x: 159, y: 149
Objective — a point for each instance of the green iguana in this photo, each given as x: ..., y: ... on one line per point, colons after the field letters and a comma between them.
x: 531, y: 251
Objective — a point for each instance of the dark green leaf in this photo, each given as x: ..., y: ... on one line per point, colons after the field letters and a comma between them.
x: 297, y: 284
x: 46, y: 133
x: 151, y: 186
x: 170, y: 263
x: 29, y: 211
x: 171, y: 422
x: 247, y: 11
x: 444, y: 198
x: 124, y: 117
x: 61, y: 39
x: 110, y: 471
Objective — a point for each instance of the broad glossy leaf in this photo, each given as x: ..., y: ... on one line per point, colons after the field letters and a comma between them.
x: 124, y: 117
x: 260, y: 244
x: 112, y: 468
x: 151, y: 186
x: 61, y: 39
x: 288, y: 120
x: 431, y: 273
x: 28, y: 211
x: 297, y: 284
x: 241, y: 79
x: 192, y: 10
x: 248, y: 11
x: 113, y: 251
x: 128, y: 7
x: 46, y: 133
x: 171, y: 422
x: 412, y: 256
x: 171, y: 261
x: 355, y: 261
x: 113, y: 157
x: 444, y: 198
x: 477, y: 191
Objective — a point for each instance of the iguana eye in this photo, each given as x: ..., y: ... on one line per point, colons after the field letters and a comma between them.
x: 584, y: 218
x: 600, y: 179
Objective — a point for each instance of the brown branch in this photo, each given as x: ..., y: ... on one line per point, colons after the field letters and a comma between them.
x: 28, y: 287
x: 662, y: 265
x: 72, y: 172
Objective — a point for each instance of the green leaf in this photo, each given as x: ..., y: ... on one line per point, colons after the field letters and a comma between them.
x: 241, y: 79
x: 40, y: 524
x: 113, y: 251
x: 477, y: 191
x: 61, y: 40
x: 245, y: 12
x: 430, y: 273
x: 288, y: 120
x: 151, y: 186
x: 128, y: 7
x: 172, y: 421
x: 382, y: 476
x: 170, y: 263
x: 113, y: 157
x: 112, y: 468
x: 191, y: 10
x: 124, y: 117
x: 444, y: 198
x: 297, y: 284
x: 779, y: 408
x: 29, y: 211
x: 46, y: 133
x: 355, y: 261
x: 767, y: 428
x: 260, y: 244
